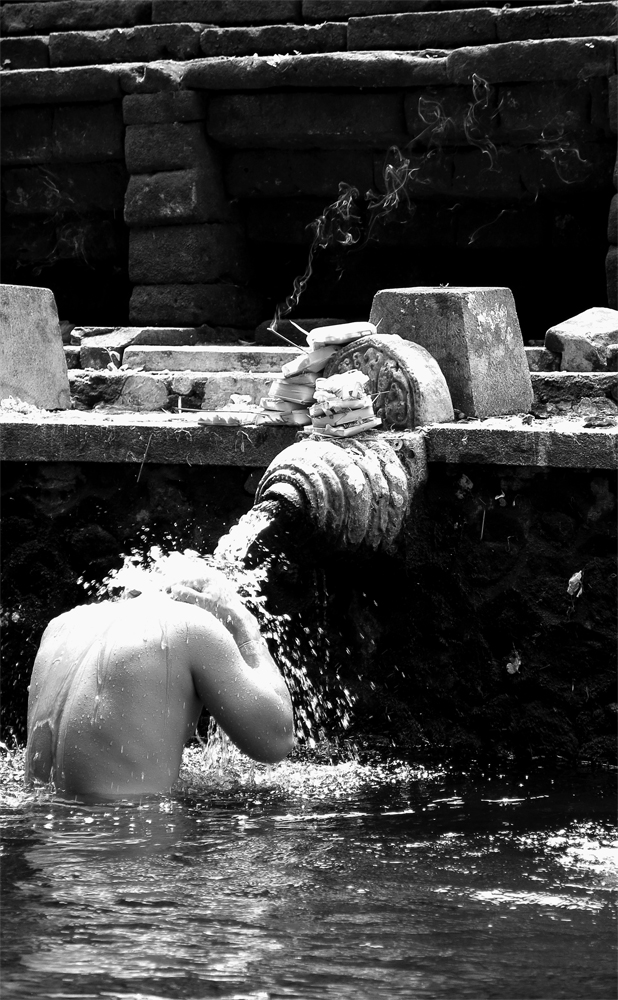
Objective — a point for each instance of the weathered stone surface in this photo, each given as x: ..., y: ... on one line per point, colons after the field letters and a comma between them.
x: 166, y: 146
x: 341, y: 10
x: 573, y: 387
x: 220, y: 304
x: 140, y: 392
x: 226, y: 11
x: 106, y: 348
x: 322, y: 69
x: 306, y: 120
x: 611, y: 276
x: 166, y: 439
x: 145, y: 43
x: 187, y: 254
x: 545, y: 59
x: 154, y: 336
x: 33, y: 366
x: 150, y: 77
x: 560, y: 444
x: 613, y: 103
x: 474, y: 335
x: 88, y: 133
x: 442, y: 29
x: 28, y: 52
x: 209, y: 359
x: 541, y: 360
x: 171, y: 106
x: 27, y: 135
x: 65, y: 187
x: 586, y: 166
x: 32, y: 240
x: 60, y: 86
x: 405, y: 383
x: 284, y: 174
x: 279, y: 38
x: 41, y: 18
x: 612, y: 224
x: 176, y: 197
x: 564, y: 20
x: 527, y: 108
x: 71, y: 356
x: 583, y: 340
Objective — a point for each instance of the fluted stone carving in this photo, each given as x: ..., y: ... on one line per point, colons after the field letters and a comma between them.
x: 406, y: 383
x: 354, y: 491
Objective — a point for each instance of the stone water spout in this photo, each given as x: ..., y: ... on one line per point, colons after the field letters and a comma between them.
x: 358, y: 491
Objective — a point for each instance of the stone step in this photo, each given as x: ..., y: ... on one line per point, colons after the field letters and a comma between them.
x: 224, y: 358
x: 555, y: 393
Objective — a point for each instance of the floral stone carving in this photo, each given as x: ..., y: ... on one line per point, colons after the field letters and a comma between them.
x: 406, y: 383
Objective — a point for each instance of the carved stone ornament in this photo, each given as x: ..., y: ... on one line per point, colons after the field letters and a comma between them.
x: 406, y: 384
x: 354, y: 491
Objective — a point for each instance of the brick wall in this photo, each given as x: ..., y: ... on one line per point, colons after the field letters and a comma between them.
x: 502, y: 117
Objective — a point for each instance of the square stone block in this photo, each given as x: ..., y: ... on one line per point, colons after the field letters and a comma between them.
x: 474, y: 335
x: 32, y: 363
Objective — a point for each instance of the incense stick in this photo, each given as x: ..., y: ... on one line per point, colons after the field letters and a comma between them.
x: 287, y: 340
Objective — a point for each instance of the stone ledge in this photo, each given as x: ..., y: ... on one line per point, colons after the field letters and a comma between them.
x: 557, y: 443
x: 157, y: 439
x: 171, y: 439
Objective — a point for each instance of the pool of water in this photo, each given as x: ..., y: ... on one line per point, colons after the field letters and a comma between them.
x: 362, y: 878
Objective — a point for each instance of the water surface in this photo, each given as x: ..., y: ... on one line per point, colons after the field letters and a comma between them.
x: 358, y: 879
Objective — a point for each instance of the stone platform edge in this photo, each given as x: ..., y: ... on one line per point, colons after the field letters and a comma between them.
x: 78, y: 436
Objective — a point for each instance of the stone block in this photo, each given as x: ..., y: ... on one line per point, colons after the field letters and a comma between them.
x: 341, y: 10
x: 226, y: 11
x: 441, y: 115
x: 611, y: 277
x: 28, y: 241
x: 474, y: 335
x: 542, y: 360
x: 274, y: 39
x: 88, y: 133
x: 76, y: 187
x: 441, y: 29
x: 106, y: 348
x: 27, y: 52
x: 494, y: 175
x: 154, y: 336
x: 27, y: 135
x: 142, y: 392
x: 145, y: 43
x: 319, y: 70
x: 539, y: 59
x: 217, y: 304
x: 150, y: 78
x: 564, y: 166
x: 612, y: 223
x: 289, y: 174
x: 176, y: 198
x: 187, y: 254
x: 307, y: 120
x: 41, y: 18
x: 583, y: 340
x: 60, y: 86
x: 173, y: 106
x: 535, y: 112
x: 210, y: 358
x: 33, y: 366
x: 560, y: 21
x: 166, y: 146
x: 71, y: 356
x: 422, y: 224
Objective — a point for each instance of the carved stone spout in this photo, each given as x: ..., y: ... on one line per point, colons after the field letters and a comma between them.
x: 354, y: 491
